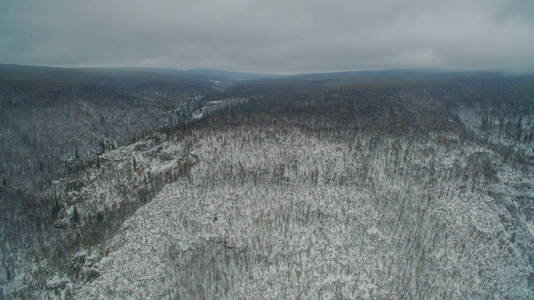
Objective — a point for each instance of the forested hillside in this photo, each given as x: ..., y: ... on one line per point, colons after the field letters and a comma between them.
x: 54, y: 121
x: 392, y: 187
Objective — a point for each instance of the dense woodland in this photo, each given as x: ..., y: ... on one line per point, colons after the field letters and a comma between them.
x: 358, y: 185
x: 56, y: 121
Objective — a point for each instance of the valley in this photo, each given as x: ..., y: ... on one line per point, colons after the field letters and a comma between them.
x: 386, y: 185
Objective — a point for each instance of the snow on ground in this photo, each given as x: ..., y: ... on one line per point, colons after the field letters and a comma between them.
x: 272, y: 215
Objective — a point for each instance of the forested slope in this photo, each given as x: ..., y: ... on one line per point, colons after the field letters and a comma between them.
x: 278, y: 207
x: 392, y: 189
x: 54, y: 121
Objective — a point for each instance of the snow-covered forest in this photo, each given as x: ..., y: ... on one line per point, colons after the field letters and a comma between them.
x: 296, y: 190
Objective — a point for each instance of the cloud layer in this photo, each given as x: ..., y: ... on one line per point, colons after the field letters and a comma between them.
x: 271, y: 36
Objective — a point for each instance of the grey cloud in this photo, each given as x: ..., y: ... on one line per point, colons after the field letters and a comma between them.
x: 271, y: 36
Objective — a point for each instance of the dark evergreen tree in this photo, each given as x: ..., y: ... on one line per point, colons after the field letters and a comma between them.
x: 75, y: 216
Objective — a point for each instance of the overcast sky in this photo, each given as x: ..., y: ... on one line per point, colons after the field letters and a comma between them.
x: 277, y: 36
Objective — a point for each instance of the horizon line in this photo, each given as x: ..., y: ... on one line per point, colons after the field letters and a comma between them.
x: 281, y: 74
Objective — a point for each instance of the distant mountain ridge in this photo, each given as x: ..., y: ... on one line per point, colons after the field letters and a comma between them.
x: 116, y: 74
